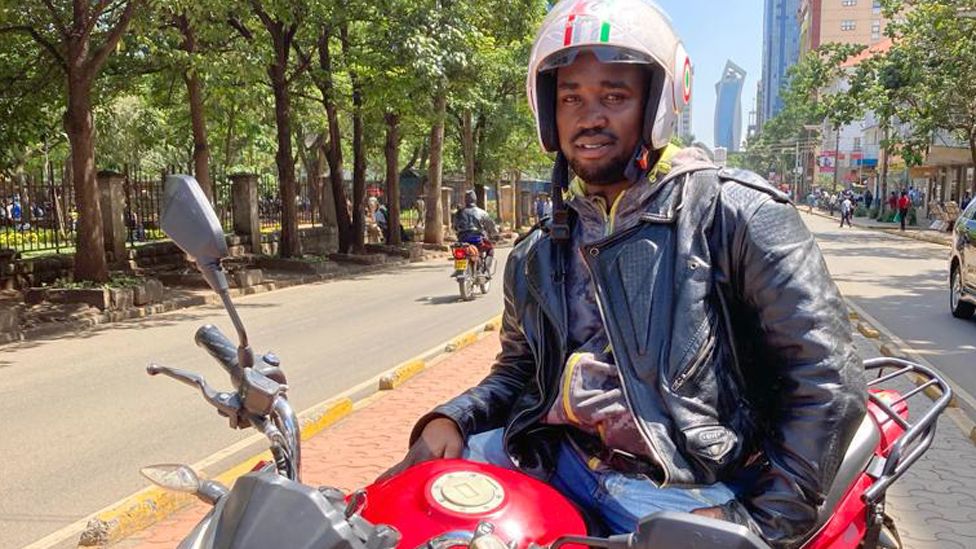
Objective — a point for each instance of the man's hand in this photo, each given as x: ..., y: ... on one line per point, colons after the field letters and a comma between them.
x: 441, y: 439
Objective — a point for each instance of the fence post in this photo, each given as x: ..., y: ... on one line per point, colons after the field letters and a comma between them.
x: 244, y: 195
x: 446, y: 194
x: 111, y: 197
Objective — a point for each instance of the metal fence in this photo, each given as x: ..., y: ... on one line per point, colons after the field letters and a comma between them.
x: 37, y: 212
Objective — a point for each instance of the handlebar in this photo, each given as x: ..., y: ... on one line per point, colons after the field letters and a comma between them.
x: 227, y: 404
x: 210, y: 338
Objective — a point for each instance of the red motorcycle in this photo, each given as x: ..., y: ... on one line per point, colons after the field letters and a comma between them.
x: 449, y: 504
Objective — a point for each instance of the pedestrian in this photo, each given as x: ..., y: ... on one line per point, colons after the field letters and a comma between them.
x: 846, y: 211
x: 903, y: 203
x: 965, y: 201
x: 868, y: 199
x: 731, y: 389
x: 540, y: 208
x: 893, y: 201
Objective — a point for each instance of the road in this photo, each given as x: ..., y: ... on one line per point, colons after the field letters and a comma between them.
x: 903, y: 284
x: 80, y: 415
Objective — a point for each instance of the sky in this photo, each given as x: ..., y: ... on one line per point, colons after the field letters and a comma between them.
x: 713, y: 32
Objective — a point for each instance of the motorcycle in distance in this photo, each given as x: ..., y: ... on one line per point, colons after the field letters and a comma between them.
x: 448, y: 504
x: 474, y: 265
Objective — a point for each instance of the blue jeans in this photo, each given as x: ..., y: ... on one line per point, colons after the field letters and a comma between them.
x: 617, y: 500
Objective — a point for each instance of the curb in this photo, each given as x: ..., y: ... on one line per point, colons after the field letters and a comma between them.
x: 153, y: 504
x: 400, y: 374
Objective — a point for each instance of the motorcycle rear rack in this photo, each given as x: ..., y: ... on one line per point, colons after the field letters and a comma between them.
x: 920, y: 433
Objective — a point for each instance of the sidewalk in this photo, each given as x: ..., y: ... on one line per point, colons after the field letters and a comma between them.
x: 916, y: 233
x: 934, y: 504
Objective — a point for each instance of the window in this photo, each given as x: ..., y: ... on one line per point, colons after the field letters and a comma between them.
x: 849, y: 3
x: 848, y: 25
x: 857, y: 143
x: 876, y: 8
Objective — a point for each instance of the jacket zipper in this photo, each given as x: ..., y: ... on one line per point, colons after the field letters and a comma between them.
x: 695, y: 365
x: 623, y: 384
x: 538, y: 381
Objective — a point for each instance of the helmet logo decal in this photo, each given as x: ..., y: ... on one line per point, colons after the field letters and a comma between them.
x: 585, y: 27
x: 686, y: 80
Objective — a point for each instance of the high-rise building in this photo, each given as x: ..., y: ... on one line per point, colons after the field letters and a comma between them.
x: 781, y: 50
x: 843, y: 21
x: 728, y: 107
x: 684, y: 130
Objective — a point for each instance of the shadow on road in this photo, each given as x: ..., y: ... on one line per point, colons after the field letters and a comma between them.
x: 869, y: 244
x: 440, y: 300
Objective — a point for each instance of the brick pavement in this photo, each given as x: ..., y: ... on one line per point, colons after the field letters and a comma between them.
x: 355, y: 451
x: 934, y: 504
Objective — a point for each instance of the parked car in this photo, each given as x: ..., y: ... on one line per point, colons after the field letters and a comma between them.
x: 962, y: 265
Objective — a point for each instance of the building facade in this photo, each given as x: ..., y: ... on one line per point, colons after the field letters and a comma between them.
x: 843, y: 21
x: 781, y: 50
x: 728, y: 107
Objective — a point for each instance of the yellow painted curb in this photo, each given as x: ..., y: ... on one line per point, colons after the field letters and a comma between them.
x: 133, y: 514
x: 314, y: 422
x: 152, y: 504
x: 868, y: 331
x: 494, y: 324
x: 461, y: 342
x: 401, y: 374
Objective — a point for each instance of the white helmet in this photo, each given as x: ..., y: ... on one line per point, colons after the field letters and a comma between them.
x: 616, y: 31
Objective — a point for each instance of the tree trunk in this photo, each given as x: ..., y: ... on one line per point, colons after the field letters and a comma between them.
x: 90, y: 263
x: 358, y: 155
x: 467, y: 149
x: 883, y: 187
x: 334, y: 154
x: 290, y: 245
x: 392, y: 151
x: 434, y: 221
x: 201, y: 149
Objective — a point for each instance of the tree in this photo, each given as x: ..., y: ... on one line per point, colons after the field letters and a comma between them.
x: 79, y: 42
x: 928, y: 77
x: 282, y: 24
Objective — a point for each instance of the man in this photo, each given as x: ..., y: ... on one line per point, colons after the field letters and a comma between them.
x: 846, y: 211
x: 903, y: 204
x: 471, y: 223
x: 671, y: 340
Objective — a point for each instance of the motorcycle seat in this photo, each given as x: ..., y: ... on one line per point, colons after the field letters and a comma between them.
x: 856, y: 459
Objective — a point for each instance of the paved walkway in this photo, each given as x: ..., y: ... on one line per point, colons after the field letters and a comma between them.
x: 934, y: 504
x: 921, y: 232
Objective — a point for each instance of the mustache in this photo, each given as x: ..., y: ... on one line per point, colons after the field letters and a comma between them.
x: 594, y: 132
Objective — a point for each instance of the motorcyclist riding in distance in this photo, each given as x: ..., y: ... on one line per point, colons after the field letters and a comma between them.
x: 472, y: 224
x: 671, y: 338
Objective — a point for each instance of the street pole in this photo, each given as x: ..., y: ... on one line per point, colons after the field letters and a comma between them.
x: 836, y: 159
x: 796, y: 172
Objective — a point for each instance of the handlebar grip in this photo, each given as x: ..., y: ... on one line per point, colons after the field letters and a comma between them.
x: 210, y: 338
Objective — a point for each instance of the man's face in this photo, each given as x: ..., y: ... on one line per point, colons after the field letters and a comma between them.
x: 599, y: 116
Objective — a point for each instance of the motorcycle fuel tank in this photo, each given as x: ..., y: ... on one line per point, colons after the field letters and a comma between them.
x: 436, y: 497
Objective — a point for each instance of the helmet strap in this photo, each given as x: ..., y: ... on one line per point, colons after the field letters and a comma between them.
x: 559, y: 228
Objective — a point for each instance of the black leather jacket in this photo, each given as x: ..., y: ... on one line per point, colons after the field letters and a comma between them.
x: 473, y: 220
x: 731, y: 339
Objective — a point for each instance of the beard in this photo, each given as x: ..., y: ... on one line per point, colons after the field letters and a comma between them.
x: 611, y: 171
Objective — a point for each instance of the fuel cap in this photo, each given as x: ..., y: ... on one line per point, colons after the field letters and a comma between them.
x: 469, y: 493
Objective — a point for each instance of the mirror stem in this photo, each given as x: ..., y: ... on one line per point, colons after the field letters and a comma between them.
x: 218, y: 281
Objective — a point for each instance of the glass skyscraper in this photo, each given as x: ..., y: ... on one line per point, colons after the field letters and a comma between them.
x: 781, y: 50
x: 728, y: 107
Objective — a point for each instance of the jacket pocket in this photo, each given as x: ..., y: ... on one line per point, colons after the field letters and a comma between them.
x: 695, y: 365
x: 713, y: 446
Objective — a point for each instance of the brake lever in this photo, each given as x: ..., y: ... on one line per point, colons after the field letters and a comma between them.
x: 227, y: 404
